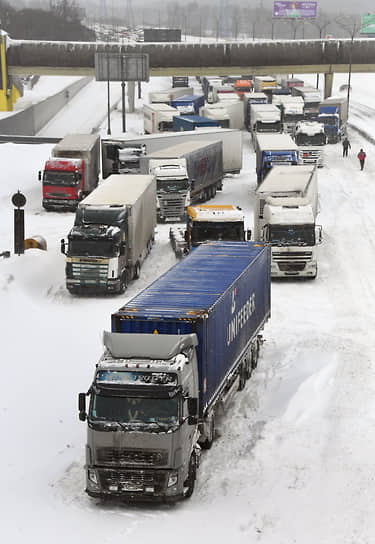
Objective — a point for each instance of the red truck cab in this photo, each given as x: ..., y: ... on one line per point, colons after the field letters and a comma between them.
x: 63, y: 183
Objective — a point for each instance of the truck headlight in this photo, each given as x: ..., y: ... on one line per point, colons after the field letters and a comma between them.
x: 173, y: 478
x: 92, y: 476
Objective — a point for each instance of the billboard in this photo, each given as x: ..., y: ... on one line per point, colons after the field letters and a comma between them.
x: 294, y: 10
x: 368, y: 24
x: 121, y: 67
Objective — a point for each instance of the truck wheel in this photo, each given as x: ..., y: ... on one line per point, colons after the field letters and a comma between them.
x: 189, y: 483
x: 137, y: 271
x: 254, y: 355
x: 123, y: 282
x: 242, y: 380
x: 248, y: 368
x: 206, y: 445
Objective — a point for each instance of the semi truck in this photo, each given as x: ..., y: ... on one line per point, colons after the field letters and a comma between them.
x: 221, y: 93
x: 231, y: 140
x: 229, y: 114
x: 206, y: 223
x: 291, y: 108
x: 126, y: 158
x: 286, y: 206
x: 264, y: 84
x: 112, y: 234
x: 188, y: 104
x: 248, y: 99
x: 274, y: 149
x: 72, y: 172
x: 311, y: 98
x: 191, y: 122
x: 311, y: 139
x: 264, y: 118
x: 165, y: 96
x: 176, y: 355
x: 333, y: 113
x: 158, y: 118
x: 197, y: 176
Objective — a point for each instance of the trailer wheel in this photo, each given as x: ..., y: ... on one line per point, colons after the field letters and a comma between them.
x: 137, y: 271
x: 242, y: 380
x: 248, y: 367
x: 189, y: 483
x: 254, y: 354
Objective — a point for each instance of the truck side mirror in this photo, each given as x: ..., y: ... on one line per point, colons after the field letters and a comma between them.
x: 82, y: 406
x: 62, y: 246
x: 319, y: 233
x: 40, y: 175
x: 248, y: 234
x: 122, y: 248
x: 186, y: 236
x: 192, y: 406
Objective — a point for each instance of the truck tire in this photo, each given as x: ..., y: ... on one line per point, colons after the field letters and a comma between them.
x: 254, y: 354
x: 206, y: 444
x: 124, y: 282
x: 242, y: 380
x: 137, y: 271
x: 248, y: 367
x: 189, y: 483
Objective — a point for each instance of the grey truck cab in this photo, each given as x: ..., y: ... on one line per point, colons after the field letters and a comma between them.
x: 142, y: 420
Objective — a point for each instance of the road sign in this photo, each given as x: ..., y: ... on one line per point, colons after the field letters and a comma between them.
x: 122, y: 67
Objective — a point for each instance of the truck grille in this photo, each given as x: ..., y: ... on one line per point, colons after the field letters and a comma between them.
x: 115, y: 457
x: 311, y: 156
x: 90, y: 273
x: 293, y: 261
x: 131, y: 480
x: 173, y: 206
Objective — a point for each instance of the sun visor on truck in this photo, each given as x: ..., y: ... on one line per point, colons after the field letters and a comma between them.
x: 148, y: 346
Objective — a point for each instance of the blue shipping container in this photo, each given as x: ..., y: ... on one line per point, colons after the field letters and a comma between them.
x: 188, y: 104
x: 221, y: 291
x: 191, y: 122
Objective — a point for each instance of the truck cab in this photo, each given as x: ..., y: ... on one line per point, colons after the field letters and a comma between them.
x: 310, y: 136
x: 63, y: 183
x: 207, y: 223
x: 290, y: 229
x: 142, y: 434
x: 172, y: 188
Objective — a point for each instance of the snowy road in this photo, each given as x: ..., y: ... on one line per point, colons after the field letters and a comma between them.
x: 293, y: 460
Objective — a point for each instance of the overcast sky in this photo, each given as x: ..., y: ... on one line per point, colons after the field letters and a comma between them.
x: 358, y: 7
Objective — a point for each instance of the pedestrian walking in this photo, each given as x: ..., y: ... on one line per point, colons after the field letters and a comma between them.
x: 361, y: 155
x: 345, y: 146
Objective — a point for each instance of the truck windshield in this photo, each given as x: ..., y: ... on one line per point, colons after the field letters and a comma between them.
x: 172, y: 185
x: 329, y: 121
x: 135, y: 410
x: 268, y: 127
x: 204, y: 231
x: 311, y: 139
x: 92, y: 248
x: 56, y: 177
x: 303, y: 235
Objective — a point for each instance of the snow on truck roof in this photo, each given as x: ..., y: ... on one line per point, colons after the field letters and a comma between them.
x: 292, y: 178
x: 275, y: 142
x: 77, y: 142
x: 181, y: 149
x: 118, y: 190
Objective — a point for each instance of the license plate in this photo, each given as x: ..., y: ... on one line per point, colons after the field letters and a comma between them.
x: 131, y: 488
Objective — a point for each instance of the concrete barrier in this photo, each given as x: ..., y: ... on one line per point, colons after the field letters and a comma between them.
x: 29, y: 121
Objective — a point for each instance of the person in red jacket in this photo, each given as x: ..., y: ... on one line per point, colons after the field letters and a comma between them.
x: 361, y: 155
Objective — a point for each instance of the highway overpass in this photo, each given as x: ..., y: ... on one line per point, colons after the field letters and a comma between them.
x: 184, y: 58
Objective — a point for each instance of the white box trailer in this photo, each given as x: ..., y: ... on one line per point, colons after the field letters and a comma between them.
x: 166, y: 96
x: 229, y: 113
x: 158, y: 118
x: 232, y: 145
x: 112, y: 234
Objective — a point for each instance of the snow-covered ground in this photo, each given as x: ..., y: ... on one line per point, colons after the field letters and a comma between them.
x: 293, y: 462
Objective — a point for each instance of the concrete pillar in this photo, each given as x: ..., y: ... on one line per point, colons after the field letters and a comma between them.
x: 131, y: 96
x: 6, y: 103
x: 328, y: 82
